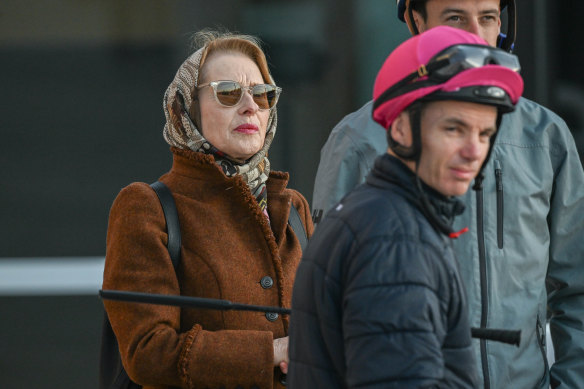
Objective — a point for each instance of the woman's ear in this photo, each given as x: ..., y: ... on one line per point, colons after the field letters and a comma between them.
x: 174, y: 109
x: 194, y: 110
x: 401, y: 130
x: 195, y: 114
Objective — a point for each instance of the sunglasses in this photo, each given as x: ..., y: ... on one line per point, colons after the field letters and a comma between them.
x: 447, y: 64
x: 230, y: 93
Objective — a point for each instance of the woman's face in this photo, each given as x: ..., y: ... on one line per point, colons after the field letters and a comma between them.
x: 237, y: 131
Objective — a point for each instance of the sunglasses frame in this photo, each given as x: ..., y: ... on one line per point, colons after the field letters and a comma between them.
x: 250, y: 88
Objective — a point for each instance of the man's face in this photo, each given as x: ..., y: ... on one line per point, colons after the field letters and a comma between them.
x: 480, y: 17
x: 455, y: 141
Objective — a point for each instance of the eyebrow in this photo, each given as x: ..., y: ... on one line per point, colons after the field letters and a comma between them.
x: 492, y: 11
x: 457, y: 121
x: 462, y: 123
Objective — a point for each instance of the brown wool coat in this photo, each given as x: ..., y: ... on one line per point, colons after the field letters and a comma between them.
x: 227, y: 247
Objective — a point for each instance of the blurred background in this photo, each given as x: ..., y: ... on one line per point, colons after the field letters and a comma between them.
x: 81, y: 117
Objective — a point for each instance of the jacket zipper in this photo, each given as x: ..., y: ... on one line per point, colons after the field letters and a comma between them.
x: 541, y: 343
x: 499, y: 184
x: 484, y: 296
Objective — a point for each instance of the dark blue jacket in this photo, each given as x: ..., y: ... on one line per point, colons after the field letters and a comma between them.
x: 378, y: 301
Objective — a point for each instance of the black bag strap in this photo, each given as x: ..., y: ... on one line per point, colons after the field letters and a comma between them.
x: 296, y: 223
x: 112, y: 374
x: 172, y: 222
x: 173, y: 227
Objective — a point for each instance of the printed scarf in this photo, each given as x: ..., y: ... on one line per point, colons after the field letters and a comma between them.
x: 181, y: 132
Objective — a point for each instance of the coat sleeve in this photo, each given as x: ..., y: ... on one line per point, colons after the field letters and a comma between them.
x: 565, y: 278
x: 153, y: 350
x: 394, y: 317
x: 346, y: 158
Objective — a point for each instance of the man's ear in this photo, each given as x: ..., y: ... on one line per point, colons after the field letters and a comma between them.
x: 418, y: 22
x: 401, y: 130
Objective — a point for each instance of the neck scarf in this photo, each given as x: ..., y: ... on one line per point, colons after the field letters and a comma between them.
x: 180, y: 131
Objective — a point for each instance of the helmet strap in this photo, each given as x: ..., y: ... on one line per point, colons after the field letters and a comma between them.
x: 411, y: 153
x: 428, y: 210
x: 507, y: 41
x: 410, y: 21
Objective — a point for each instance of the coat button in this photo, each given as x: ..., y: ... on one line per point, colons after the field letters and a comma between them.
x: 271, y: 316
x: 266, y: 282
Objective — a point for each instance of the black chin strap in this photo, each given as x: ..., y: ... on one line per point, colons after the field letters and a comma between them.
x: 415, y: 154
x: 507, y: 41
x: 413, y: 26
x: 429, y: 211
x: 411, y: 153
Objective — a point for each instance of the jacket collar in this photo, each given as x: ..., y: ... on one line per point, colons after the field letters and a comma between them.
x: 438, y: 209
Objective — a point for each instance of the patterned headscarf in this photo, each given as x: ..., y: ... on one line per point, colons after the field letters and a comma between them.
x: 180, y: 131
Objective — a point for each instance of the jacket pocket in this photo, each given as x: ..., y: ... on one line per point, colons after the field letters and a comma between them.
x: 540, y: 333
x: 499, y: 186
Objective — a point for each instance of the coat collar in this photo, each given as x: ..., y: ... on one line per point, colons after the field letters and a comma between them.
x: 202, y: 167
x: 438, y: 209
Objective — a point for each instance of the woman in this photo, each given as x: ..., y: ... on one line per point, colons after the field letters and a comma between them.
x: 236, y: 243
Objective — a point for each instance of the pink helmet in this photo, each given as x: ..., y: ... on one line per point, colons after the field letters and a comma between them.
x: 445, y: 63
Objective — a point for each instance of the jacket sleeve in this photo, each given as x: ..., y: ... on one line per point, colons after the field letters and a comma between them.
x: 153, y: 349
x: 565, y: 278
x: 346, y: 158
x: 394, y: 317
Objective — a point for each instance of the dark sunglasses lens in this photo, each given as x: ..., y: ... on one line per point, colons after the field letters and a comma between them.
x: 265, y: 96
x: 479, y: 56
x: 468, y: 57
x: 508, y: 60
x: 228, y: 93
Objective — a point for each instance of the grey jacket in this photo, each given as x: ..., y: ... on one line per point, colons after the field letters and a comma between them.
x: 526, y: 233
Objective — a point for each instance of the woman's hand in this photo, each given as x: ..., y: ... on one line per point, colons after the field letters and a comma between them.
x: 281, y: 354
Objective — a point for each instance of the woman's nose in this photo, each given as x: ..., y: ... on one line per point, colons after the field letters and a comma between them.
x: 248, y: 105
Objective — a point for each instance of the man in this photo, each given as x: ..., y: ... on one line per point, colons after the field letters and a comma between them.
x: 526, y: 224
x: 378, y: 300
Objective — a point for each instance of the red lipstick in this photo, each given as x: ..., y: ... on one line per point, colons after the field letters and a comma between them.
x: 247, y: 128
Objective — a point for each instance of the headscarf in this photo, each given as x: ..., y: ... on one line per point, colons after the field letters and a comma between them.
x: 181, y: 132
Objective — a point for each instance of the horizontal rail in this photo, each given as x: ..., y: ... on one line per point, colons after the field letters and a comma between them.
x: 51, y: 276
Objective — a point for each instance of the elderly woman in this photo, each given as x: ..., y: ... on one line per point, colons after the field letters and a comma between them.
x: 220, y: 121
